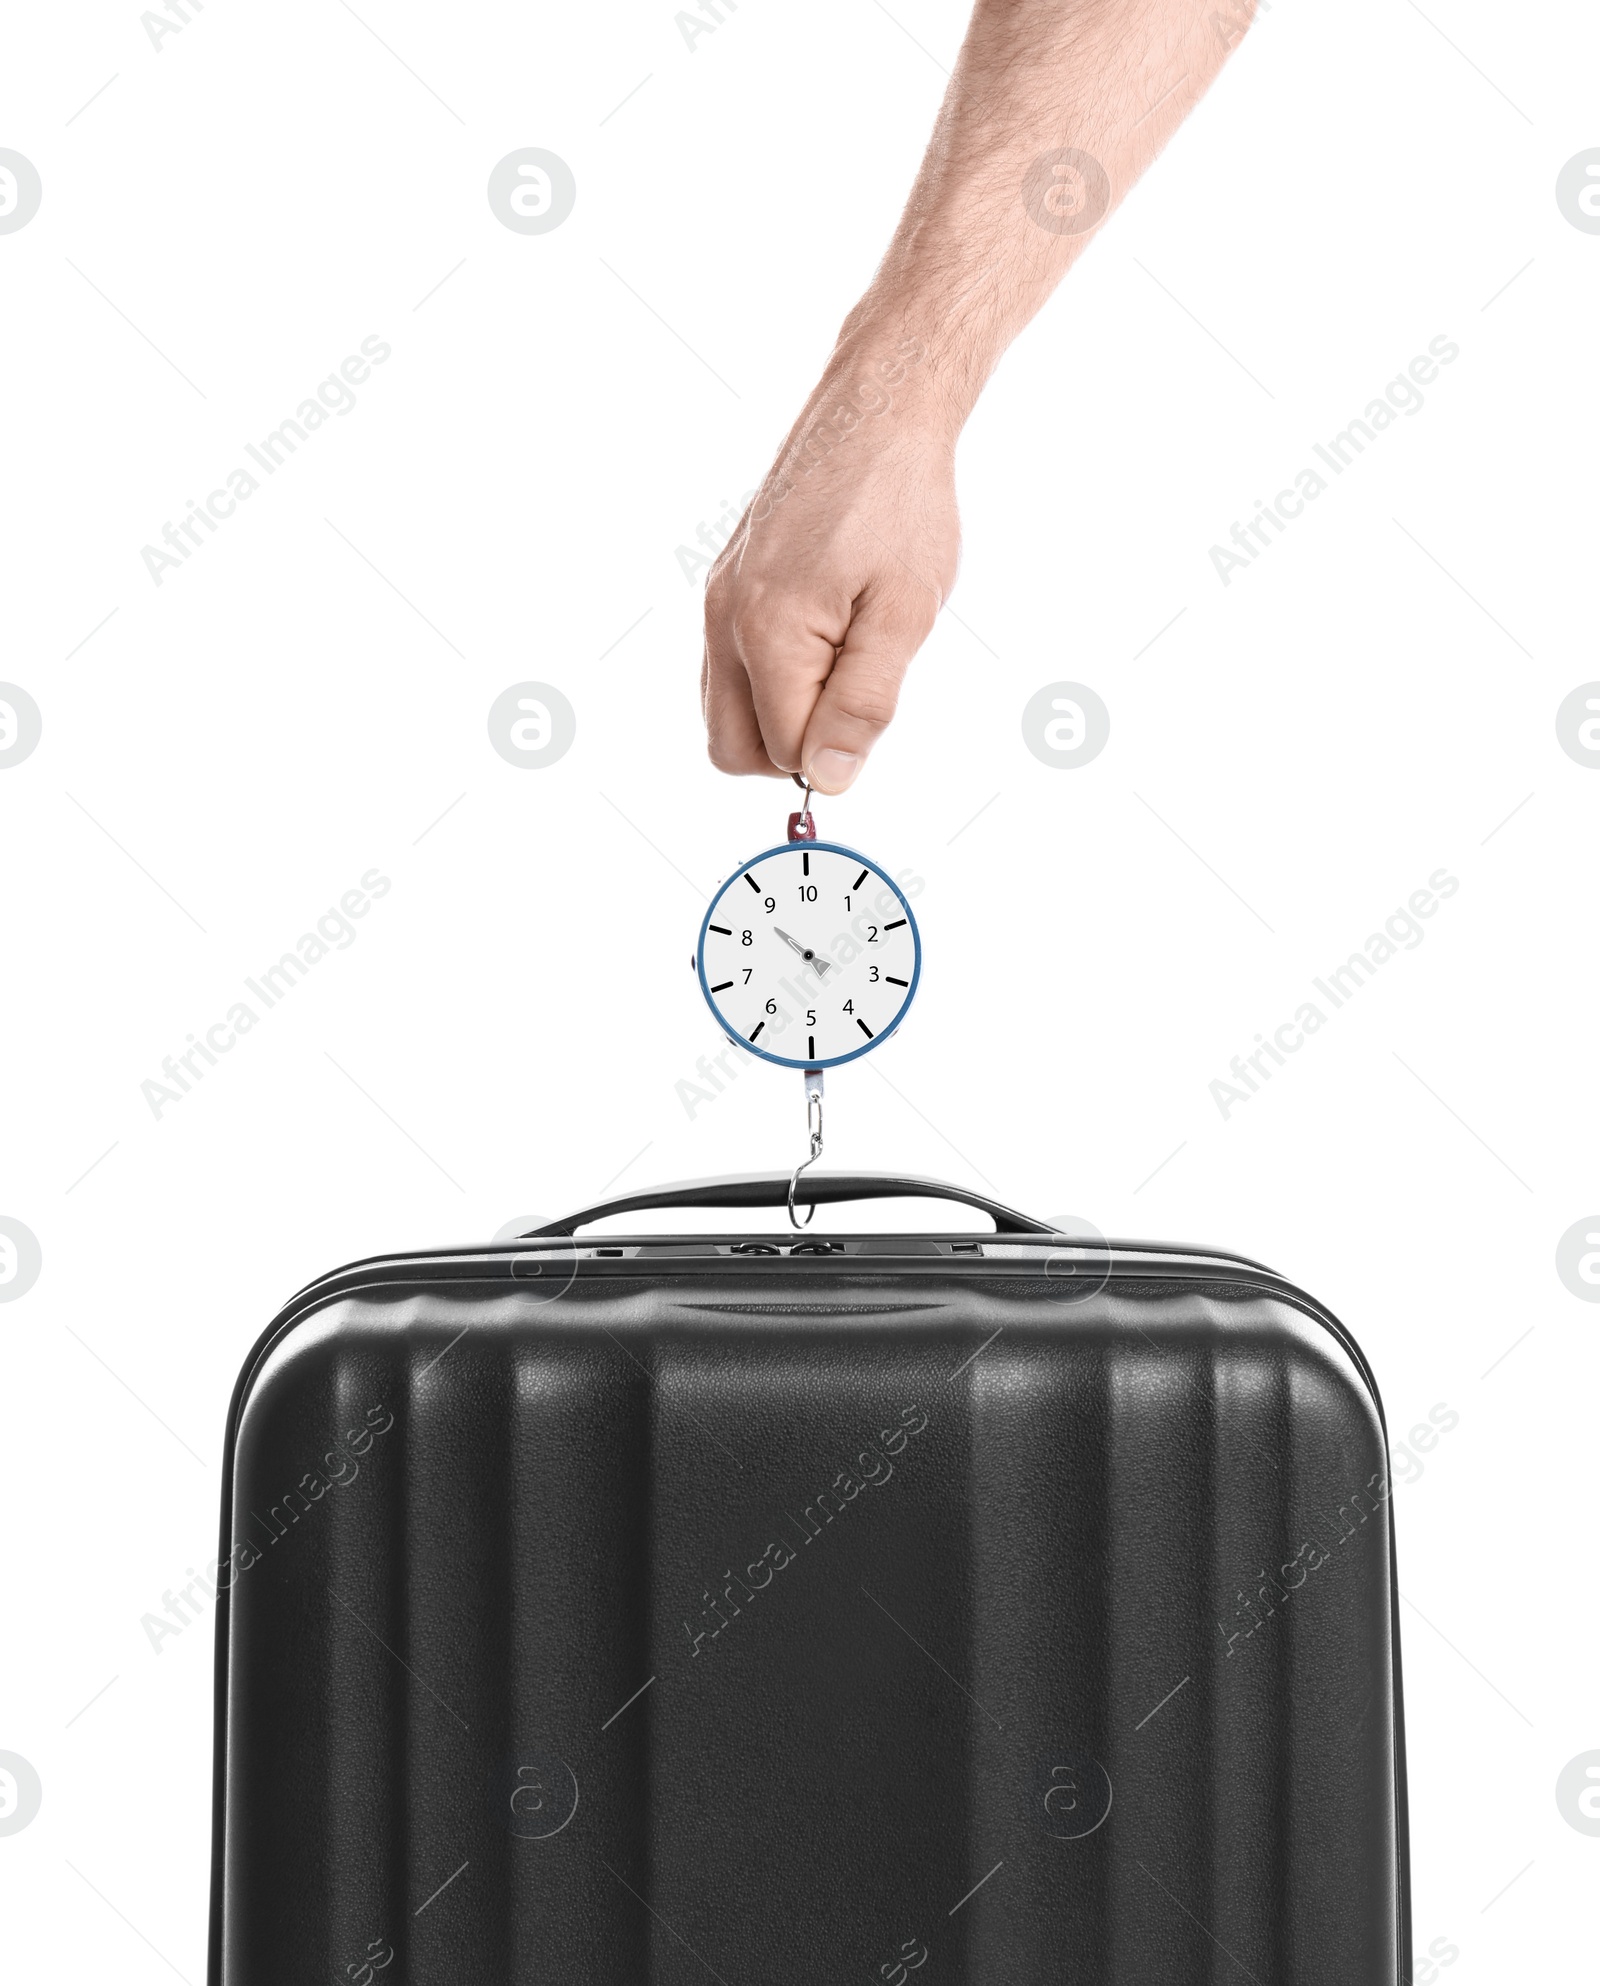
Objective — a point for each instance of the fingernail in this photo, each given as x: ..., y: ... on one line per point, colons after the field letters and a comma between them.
x: 831, y: 771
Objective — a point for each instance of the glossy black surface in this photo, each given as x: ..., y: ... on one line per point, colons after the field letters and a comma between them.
x: 923, y: 1570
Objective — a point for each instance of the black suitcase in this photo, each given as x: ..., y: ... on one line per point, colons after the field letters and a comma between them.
x: 996, y: 1607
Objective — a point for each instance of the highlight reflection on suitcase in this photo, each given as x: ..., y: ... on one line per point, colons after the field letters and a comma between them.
x: 973, y: 1607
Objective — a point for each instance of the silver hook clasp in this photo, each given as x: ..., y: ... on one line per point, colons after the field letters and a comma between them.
x: 814, y: 1131
x: 802, y: 826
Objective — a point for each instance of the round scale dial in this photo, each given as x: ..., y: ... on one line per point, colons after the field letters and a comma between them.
x: 809, y: 955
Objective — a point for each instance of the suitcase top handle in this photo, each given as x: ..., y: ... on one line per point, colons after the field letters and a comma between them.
x: 771, y: 1189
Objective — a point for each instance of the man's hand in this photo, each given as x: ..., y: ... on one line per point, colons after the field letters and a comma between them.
x: 832, y: 580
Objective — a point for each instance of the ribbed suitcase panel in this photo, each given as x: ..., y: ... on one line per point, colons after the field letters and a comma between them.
x: 1242, y: 1917
x: 1339, y: 1699
x: 528, y: 1474
x: 1161, y: 1488
x: 661, y: 1639
x: 806, y: 1750
x: 1038, y: 1461
x: 441, y: 1640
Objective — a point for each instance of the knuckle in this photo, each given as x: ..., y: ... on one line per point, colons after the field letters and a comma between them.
x: 915, y: 615
x: 728, y: 755
x: 872, y: 702
x: 761, y: 615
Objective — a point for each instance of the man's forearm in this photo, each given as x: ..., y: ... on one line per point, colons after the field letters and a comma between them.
x: 842, y: 562
x: 1054, y: 110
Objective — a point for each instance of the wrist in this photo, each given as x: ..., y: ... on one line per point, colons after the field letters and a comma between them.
x: 890, y: 357
x: 943, y: 325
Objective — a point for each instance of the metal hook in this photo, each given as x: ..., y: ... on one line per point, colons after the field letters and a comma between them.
x: 814, y: 1129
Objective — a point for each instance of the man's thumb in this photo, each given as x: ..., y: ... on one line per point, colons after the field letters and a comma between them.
x: 858, y: 699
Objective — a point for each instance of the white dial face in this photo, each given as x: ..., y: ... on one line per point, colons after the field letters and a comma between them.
x: 809, y: 955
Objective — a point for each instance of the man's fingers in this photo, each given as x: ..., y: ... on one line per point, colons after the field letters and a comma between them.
x: 859, y: 697
x: 787, y: 662
x: 733, y: 737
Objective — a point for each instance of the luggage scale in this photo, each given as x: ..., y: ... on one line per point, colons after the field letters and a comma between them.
x: 809, y: 957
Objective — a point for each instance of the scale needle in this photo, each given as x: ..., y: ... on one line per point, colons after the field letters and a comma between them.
x: 805, y: 952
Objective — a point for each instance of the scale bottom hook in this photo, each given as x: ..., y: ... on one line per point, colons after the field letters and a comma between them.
x: 814, y: 1131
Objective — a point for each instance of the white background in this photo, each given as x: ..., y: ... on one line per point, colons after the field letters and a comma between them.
x: 1290, y: 757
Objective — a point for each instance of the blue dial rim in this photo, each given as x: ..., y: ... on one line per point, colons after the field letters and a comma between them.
x: 801, y: 1062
